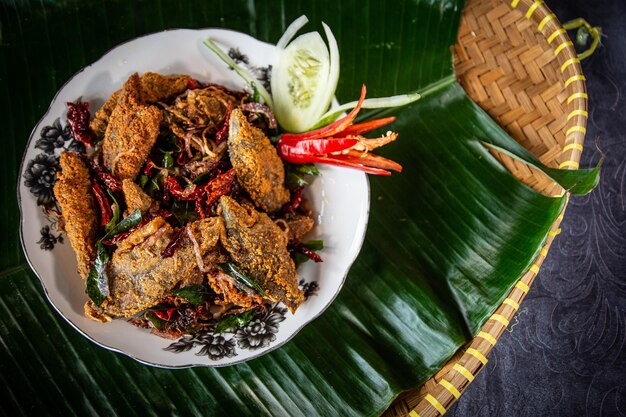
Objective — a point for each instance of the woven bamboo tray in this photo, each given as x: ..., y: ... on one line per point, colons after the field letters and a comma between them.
x: 517, y: 62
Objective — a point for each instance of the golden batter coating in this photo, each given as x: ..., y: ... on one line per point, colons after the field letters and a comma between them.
x: 259, y: 168
x: 297, y: 226
x: 132, y: 131
x: 259, y: 247
x: 135, y: 197
x: 78, y: 206
x: 139, y: 276
x: 157, y: 87
x: 154, y: 88
x: 222, y: 284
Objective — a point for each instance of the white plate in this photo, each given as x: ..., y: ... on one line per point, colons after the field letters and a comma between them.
x: 339, y: 197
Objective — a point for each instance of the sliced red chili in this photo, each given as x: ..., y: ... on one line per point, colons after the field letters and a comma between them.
x: 175, y: 241
x: 359, y: 128
x: 314, y: 147
x: 103, y: 202
x: 332, y: 128
x: 78, y: 117
x: 164, y: 314
x: 222, y: 133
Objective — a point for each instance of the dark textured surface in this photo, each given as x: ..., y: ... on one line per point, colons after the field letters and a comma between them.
x: 565, y: 354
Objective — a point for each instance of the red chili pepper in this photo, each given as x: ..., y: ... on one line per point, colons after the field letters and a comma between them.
x: 296, y: 200
x: 174, y: 243
x: 193, y: 84
x: 173, y: 187
x: 199, y: 210
x: 219, y: 186
x: 222, y: 134
x: 164, y: 314
x: 182, y: 158
x: 149, y: 167
x: 339, y: 143
x: 78, y: 117
x: 307, y: 252
x: 106, y: 177
x: 103, y: 202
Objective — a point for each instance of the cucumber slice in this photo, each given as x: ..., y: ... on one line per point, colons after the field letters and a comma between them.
x: 304, y: 80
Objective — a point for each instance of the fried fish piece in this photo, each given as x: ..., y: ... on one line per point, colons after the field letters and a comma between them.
x: 132, y: 131
x: 139, y: 276
x: 259, y: 169
x: 154, y: 88
x: 78, y: 206
x: 135, y: 197
x: 259, y: 247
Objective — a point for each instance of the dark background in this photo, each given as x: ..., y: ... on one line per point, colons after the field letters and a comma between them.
x: 564, y: 353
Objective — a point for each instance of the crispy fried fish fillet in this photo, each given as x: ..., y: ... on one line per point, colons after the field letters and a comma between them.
x: 78, y: 206
x: 259, y: 247
x: 259, y: 168
x: 132, y: 131
x: 154, y: 88
x: 135, y: 197
x: 139, y: 276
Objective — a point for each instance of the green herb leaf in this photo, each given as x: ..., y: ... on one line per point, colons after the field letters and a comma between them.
x: 156, y: 322
x: 143, y: 180
x: 232, y: 270
x: 201, y: 178
x: 196, y: 294
x: 234, y: 321
x: 128, y: 222
x: 116, y: 213
x: 296, y: 175
x: 97, y: 286
x: 184, y: 211
x: 168, y: 159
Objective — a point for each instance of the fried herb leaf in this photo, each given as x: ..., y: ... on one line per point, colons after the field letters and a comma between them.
x: 168, y: 159
x: 184, y: 211
x: 232, y: 270
x: 128, y: 222
x: 97, y: 287
x: 296, y: 175
x: 196, y: 294
x: 234, y: 321
x: 116, y: 213
x: 158, y: 323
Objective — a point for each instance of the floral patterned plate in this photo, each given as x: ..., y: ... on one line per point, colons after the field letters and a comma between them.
x: 339, y: 197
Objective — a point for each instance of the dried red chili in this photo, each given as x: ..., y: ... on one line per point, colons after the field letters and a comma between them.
x: 307, y: 252
x: 222, y: 133
x: 106, y: 177
x: 174, y: 243
x: 173, y: 187
x: 149, y: 167
x: 164, y: 314
x: 296, y: 200
x: 78, y: 117
x: 103, y: 202
x: 219, y: 186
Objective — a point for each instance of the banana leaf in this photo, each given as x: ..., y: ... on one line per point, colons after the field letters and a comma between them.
x: 446, y: 240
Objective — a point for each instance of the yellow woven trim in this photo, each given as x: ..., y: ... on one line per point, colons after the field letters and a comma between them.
x: 463, y: 371
x: 576, y: 146
x: 532, y: 8
x: 575, y: 96
x: 511, y: 302
x: 569, y: 164
x: 514, y: 3
x: 562, y: 46
x: 577, y: 112
x: 534, y: 268
x: 544, y: 252
x: 568, y: 63
x: 545, y: 21
x: 435, y: 403
x: 477, y: 355
x: 414, y: 413
x: 555, y: 34
x: 522, y: 286
x: 574, y: 78
x: 573, y: 129
x: 489, y: 338
x: 447, y: 385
